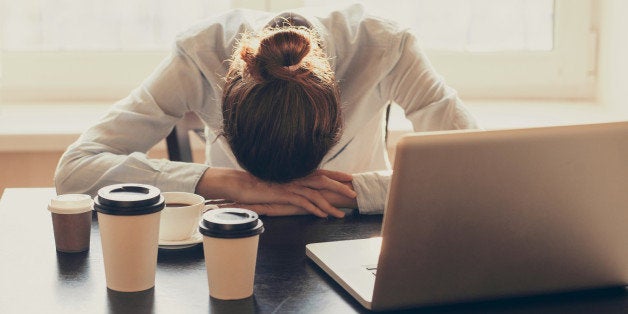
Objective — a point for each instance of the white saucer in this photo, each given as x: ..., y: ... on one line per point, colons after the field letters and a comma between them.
x: 195, y: 239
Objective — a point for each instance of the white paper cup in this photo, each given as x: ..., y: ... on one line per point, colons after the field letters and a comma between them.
x: 230, y: 240
x: 180, y: 218
x: 129, y: 245
x: 128, y: 219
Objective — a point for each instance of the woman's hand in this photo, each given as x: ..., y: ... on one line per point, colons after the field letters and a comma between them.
x: 335, y: 199
x: 308, y: 193
x: 340, y: 200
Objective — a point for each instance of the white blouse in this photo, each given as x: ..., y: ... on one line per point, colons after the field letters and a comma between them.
x: 375, y: 62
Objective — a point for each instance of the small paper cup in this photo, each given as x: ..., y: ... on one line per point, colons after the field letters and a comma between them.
x: 71, y: 221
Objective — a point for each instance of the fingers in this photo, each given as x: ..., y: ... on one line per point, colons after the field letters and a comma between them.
x: 304, y: 193
x: 307, y: 204
x: 290, y: 193
x: 339, y: 201
x: 304, y: 198
x: 321, y: 182
x: 310, y: 191
x: 316, y: 200
x: 334, y: 175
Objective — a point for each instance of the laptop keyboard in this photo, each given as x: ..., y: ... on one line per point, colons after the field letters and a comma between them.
x: 371, y: 268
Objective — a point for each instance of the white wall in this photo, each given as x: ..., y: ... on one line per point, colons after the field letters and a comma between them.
x: 613, y: 54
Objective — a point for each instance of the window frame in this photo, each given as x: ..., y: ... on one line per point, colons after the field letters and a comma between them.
x: 566, y: 72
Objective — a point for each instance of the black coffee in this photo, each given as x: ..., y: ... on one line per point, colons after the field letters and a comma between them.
x: 177, y: 205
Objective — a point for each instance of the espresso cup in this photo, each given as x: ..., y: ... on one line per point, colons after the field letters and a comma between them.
x: 128, y: 219
x: 71, y: 221
x: 230, y: 240
x: 179, y: 219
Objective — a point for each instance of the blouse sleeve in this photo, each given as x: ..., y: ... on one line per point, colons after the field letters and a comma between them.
x: 428, y: 102
x: 114, y: 150
x: 371, y: 188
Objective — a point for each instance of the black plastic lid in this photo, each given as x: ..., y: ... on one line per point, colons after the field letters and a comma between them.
x: 129, y: 199
x: 230, y: 223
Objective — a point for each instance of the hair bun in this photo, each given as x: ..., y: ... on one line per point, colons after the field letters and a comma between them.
x: 279, y: 56
x: 280, y: 95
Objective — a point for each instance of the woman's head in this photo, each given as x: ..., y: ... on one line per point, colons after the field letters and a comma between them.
x: 280, y: 104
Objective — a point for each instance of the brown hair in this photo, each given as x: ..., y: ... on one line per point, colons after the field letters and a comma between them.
x: 280, y: 104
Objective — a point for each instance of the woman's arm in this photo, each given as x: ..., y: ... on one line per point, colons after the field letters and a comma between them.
x: 113, y: 150
x: 429, y: 103
x: 319, y: 193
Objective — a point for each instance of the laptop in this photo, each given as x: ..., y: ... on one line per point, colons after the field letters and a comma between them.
x: 478, y: 215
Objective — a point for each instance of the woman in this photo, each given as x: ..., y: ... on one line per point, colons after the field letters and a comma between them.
x: 294, y: 110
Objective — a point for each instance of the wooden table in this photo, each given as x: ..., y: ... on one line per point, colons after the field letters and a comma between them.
x: 35, y: 278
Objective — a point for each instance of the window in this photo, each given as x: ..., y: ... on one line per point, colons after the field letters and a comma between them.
x: 566, y: 71
x: 525, y: 49
x: 88, y: 49
x: 100, y: 25
x: 472, y: 25
x: 101, y: 49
